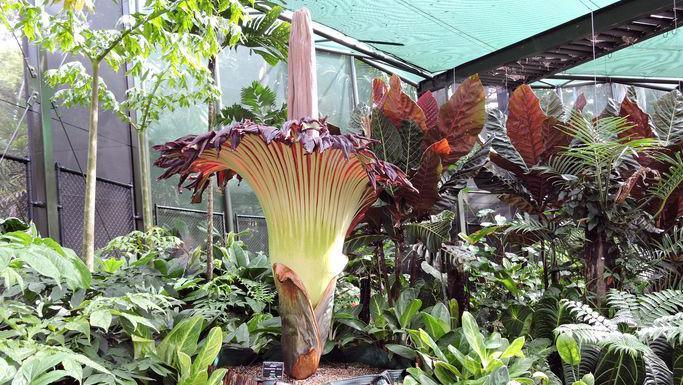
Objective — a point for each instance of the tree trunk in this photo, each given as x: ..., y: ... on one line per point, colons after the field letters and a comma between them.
x: 398, y: 259
x: 145, y: 181
x: 594, y: 258
x: 457, y: 286
x: 545, y: 265
x: 209, y: 191
x: 88, y: 247
x: 365, y: 295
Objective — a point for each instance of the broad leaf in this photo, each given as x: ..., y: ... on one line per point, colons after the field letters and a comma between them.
x: 183, y: 338
x: 555, y: 138
x: 411, y: 142
x: 638, y: 118
x: 525, y: 124
x: 402, y: 351
x: 668, y: 118
x: 552, y: 105
x: 430, y: 107
x: 473, y: 336
x: 427, y: 176
x: 207, y: 354
x: 618, y: 367
x: 461, y: 119
x: 399, y: 107
x: 432, y: 233
x: 508, y: 156
x: 389, y: 146
x: 568, y: 349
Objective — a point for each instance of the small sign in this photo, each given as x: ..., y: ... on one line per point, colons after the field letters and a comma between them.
x: 273, y: 369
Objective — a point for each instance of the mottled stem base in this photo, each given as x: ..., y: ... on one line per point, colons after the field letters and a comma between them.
x: 304, y: 329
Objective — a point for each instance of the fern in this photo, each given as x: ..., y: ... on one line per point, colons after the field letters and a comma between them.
x: 668, y: 327
x: 670, y: 180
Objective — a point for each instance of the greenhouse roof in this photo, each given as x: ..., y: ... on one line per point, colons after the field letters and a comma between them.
x: 506, y: 40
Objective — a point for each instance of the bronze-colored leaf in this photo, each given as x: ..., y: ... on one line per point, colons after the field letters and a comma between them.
x: 638, y: 118
x: 462, y: 118
x: 399, y: 107
x: 379, y: 92
x: 555, y: 138
x: 430, y: 107
x: 525, y: 124
x: 580, y: 103
x: 427, y: 176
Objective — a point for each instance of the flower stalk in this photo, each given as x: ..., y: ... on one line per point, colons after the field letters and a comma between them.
x: 313, y: 187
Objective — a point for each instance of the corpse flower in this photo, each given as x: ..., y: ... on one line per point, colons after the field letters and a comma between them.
x: 313, y: 187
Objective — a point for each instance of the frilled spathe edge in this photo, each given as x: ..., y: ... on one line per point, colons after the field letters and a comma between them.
x: 178, y: 156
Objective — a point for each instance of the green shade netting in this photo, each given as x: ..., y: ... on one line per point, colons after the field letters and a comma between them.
x: 658, y: 57
x: 440, y: 34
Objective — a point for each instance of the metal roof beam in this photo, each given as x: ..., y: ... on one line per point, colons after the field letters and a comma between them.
x: 610, y: 25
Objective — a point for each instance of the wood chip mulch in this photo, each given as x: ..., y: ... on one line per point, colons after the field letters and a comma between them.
x: 247, y: 375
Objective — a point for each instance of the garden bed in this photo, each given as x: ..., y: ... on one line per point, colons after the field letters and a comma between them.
x: 327, y: 372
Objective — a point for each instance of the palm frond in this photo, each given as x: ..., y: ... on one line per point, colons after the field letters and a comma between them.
x: 668, y: 327
x: 670, y: 180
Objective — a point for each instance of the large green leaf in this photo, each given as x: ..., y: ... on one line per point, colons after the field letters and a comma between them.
x: 183, y: 338
x: 568, y: 349
x: 473, y: 336
x: 677, y: 364
x: 618, y: 367
x: 389, y: 146
x: 668, y: 118
x: 207, y: 354
x: 551, y: 104
x: 432, y: 233
x: 411, y: 142
x: 510, y: 159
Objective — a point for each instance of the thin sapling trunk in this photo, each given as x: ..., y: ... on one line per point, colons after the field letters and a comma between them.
x: 88, y: 247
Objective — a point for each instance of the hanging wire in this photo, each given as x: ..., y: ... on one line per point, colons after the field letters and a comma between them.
x: 29, y: 103
x: 595, y: 75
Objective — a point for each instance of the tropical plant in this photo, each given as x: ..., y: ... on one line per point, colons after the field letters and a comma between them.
x: 472, y: 358
x: 257, y: 103
x: 306, y: 226
x: 437, y: 147
x: 640, y: 344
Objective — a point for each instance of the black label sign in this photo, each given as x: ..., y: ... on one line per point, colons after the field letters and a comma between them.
x: 273, y: 369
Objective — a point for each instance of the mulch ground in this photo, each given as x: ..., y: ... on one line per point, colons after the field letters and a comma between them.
x: 326, y: 372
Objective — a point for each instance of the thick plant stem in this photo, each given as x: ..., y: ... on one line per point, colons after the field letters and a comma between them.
x: 594, y: 257
x: 398, y: 260
x: 145, y: 181
x: 209, y: 196
x: 304, y: 328
x: 88, y: 247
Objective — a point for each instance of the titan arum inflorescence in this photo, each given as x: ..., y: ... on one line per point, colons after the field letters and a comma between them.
x: 313, y: 186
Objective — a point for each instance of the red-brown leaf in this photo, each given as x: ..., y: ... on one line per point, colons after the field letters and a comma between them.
x: 379, y: 92
x: 426, y: 178
x: 430, y: 107
x: 399, y: 107
x: 525, y: 124
x: 554, y: 137
x: 462, y: 118
x: 638, y: 118
x: 580, y: 103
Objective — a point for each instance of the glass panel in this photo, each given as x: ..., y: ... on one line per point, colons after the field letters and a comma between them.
x: 238, y: 68
x: 12, y: 96
x: 365, y: 73
x: 335, y: 95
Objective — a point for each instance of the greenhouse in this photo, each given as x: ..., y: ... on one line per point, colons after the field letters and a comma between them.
x: 341, y: 192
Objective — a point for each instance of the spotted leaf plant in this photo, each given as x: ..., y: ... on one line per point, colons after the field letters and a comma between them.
x: 313, y: 187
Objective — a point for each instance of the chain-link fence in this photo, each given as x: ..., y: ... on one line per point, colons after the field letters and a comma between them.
x: 188, y: 224
x: 15, y: 188
x: 256, y: 239
x: 114, y: 208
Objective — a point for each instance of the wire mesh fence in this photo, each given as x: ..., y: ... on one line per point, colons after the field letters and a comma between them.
x: 15, y: 188
x: 256, y: 239
x: 188, y: 224
x: 114, y: 208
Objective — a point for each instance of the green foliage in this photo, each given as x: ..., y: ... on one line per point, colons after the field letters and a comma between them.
x: 25, y: 248
x: 629, y: 343
x: 258, y: 104
x: 471, y: 358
